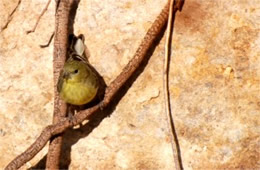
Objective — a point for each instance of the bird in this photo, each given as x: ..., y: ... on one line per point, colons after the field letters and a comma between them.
x: 78, y: 83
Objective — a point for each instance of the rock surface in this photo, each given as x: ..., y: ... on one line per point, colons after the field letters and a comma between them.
x: 214, y: 85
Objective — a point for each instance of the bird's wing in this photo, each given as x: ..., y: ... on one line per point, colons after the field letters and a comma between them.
x: 60, y: 82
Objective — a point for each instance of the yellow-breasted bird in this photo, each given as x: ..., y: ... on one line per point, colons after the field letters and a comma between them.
x: 78, y: 84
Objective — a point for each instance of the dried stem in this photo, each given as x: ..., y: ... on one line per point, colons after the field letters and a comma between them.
x: 59, y: 57
x: 49, y: 42
x: 10, y: 17
x: 111, y: 91
x: 174, y: 139
x: 37, y: 22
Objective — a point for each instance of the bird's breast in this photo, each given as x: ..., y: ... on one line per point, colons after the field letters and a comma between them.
x: 78, y: 93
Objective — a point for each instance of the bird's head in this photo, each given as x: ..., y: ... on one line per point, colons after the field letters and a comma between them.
x: 75, y: 71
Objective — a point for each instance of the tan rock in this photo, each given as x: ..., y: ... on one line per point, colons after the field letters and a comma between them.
x: 214, y: 85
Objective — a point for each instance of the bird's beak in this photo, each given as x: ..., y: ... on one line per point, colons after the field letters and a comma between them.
x: 66, y: 75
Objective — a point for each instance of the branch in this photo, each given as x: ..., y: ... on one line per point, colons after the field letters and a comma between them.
x: 38, y: 20
x: 59, y: 57
x: 169, y: 31
x: 10, y: 17
x: 111, y: 91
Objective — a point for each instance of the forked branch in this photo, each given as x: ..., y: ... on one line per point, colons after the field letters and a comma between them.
x: 111, y: 91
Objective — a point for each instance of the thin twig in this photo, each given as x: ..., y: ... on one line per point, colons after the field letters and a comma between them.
x: 59, y: 57
x: 49, y: 42
x: 37, y: 22
x: 111, y: 91
x: 10, y: 17
x: 174, y: 139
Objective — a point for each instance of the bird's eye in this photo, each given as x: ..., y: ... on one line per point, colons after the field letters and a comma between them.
x: 76, y: 71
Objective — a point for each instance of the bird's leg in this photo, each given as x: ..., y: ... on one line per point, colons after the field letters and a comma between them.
x: 71, y: 112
